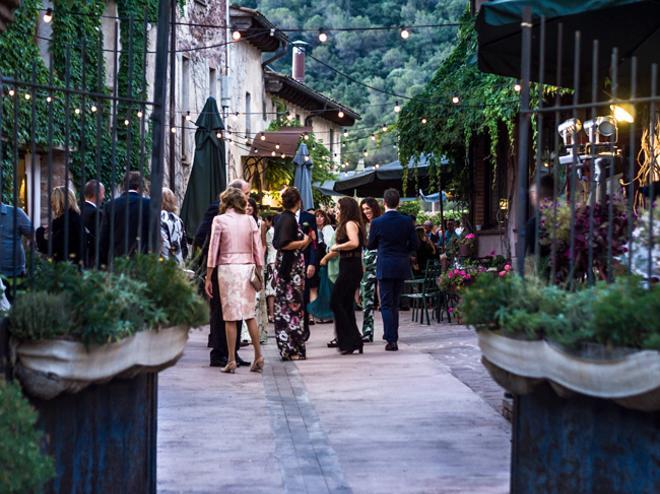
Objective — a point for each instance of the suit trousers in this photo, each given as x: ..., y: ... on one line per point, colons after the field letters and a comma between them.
x: 390, y: 297
x: 218, y: 336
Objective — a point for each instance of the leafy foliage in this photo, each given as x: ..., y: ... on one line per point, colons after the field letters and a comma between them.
x: 621, y: 314
x: 24, y: 467
x: 41, y: 315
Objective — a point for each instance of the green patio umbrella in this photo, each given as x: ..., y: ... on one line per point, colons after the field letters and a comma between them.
x: 208, y: 177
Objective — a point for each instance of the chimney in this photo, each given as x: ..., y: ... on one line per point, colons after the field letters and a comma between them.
x: 298, y: 62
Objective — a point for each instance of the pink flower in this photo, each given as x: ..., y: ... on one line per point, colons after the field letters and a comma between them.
x: 450, y: 310
x: 467, y: 277
x: 470, y: 236
x: 450, y: 275
x: 507, y: 267
x: 502, y: 274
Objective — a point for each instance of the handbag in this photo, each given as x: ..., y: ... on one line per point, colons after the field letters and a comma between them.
x: 255, y: 275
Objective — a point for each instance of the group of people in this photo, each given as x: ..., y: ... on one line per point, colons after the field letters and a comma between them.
x: 92, y: 232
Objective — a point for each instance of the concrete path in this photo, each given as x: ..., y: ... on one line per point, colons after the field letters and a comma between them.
x: 382, y: 422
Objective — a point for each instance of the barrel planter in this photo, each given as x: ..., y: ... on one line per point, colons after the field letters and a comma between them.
x: 98, y: 407
x: 584, y: 421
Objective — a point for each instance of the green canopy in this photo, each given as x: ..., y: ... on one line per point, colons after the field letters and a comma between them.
x: 208, y: 177
x: 631, y: 26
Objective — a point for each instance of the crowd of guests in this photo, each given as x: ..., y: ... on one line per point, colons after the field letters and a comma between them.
x: 293, y: 269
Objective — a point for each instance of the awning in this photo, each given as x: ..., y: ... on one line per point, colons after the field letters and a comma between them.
x: 281, y: 142
x: 375, y: 181
x: 631, y: 26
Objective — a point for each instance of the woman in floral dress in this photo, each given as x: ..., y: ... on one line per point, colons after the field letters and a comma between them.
x: 290, y: 241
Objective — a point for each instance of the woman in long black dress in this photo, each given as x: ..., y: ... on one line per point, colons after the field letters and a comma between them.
x: 350, y: 240
x: 289, y: 279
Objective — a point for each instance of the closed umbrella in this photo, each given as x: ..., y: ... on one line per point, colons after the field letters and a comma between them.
x: 303, y: 177
x: 208, y: 177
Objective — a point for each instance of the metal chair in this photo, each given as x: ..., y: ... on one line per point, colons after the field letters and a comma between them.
x: 425, y: 292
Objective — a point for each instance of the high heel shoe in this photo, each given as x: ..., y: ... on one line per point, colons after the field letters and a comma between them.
x: 360, y: 350
x: 257, y: 365
x: 230, y: 367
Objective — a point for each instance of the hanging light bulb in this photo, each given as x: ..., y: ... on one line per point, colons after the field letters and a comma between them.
x: 48, y: 16
x: 11, y: 92
x: 188, y: 117
x: 262, y: 137
x: 517, y: 87
x: 306, y: 136
x: 283, y: 156
x: 49, y: 99
x: 277, y: 146
x: 273, y: 153
x: 173, y: 130
x: 77, y: 111
x: 139, y: 114
x: 340, y: 114
x: 397, y: 107
x: 384, y: 128
x: 456, y: 100
x: 323, y: 36
x: 93, y: 108
x: 405, y: 34
x: 424, y: 121
x: 28, y: 96
x: 127, y: 122
x: 272, y: 32
x: 365, y: 152
x: 236, y: 35
x: 219, y: 135
x: 306, y: 158
x: 376, y: 166
x: 373, y: 137
x: 345, y: 133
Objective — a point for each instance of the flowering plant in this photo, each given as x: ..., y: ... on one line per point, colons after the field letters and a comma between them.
x: 455, y: 279
x: 555, y: 227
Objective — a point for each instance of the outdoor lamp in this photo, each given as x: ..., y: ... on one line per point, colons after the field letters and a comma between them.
x: 601, y: 130
x: 340, y: 114
x: 48, y: 16
x: 568, y: 129
x: 624, y: 112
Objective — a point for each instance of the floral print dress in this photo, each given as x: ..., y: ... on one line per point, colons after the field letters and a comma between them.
x: 290, y: 308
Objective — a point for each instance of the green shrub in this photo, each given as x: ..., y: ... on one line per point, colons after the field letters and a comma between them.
x: 24, y: 468
x: 41, y: 315
x: 168, y: 288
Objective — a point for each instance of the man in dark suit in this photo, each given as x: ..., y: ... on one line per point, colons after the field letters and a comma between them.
x: 393, y: 234
x: 92, y: 216
x: 122, y: 233
x: 217, y: 335
x: 307, y: 222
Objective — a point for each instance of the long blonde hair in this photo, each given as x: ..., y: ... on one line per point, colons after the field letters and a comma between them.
x: 233, y: 199
x: 169, y: 201
x: 59, y: 198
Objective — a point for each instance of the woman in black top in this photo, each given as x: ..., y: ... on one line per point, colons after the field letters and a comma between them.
x: 425, y: 252
x: 289, y: 279
x: 350, y: 240
x: 68, y: 240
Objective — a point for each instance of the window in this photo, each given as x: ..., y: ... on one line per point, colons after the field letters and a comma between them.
x: 248, y: 114
x: 213, y: 83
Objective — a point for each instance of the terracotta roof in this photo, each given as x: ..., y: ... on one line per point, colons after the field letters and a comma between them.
x: 7, y: 8
x: 299, y: 94
x: 287, y: 138
x: 256, y: 29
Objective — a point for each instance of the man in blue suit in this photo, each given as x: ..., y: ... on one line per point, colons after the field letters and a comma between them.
x: 393, y: 234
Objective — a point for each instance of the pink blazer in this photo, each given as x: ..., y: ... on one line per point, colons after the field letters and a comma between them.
x: 235, y: 239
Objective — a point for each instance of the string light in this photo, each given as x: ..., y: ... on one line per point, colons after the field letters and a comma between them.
x: 277, y: 146
x: 77, y: 111
x: 48, y: 16
x: 306, y: 158
x: 384, y: 128
x: 127, y: 122
x: 93, y: 108
x: 218, y: 135
x: 273, y: 153
x: 188, y: 117
x: 456, y: 100
x: 405, y: 34
x: 283, y: 156
x: 236, y: 35
x: 517, y: 87
x: 373, y: 137
x: 272, y: 32
x: 376, y: 166
x: 140, y: 114
x: 323, y: 36
x: 49, y: 99
x: 345, y: 133
x: 27, y: 96
x: 306, y: 136
x: 12, y: 92
x: 397, y: 107
x: 340, y: 114
x: 365, y: 152
x: 263, y: 136
x: 424, y: 121
x: 173, y: 130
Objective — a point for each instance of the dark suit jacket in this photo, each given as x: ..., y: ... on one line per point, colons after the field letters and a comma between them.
x: 74, y: 233
x: 89, y: 212
x: 204, y: 228
x: 393, y: 234
x: 126, y: 209
x: 310, y: 253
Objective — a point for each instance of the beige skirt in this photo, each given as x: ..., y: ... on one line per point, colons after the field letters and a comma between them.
x: 237, y: 295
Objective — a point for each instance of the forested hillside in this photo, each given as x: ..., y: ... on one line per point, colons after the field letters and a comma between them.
x: 381, y: 59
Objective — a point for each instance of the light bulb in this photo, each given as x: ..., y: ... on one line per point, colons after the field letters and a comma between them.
x: 405, y: 34
x: 373, y: 137
x: 173, y: 130
x: 306, y: 136
x: 345, y: 133
x: 517, y: 87
x: 219, y: 135
x: 12, y: 92
x: 323, y: 36
x: 384, y: 128
x: 397, y: 107
x: 277, y: 146
x: 306, y: 158
x: 27, y: 96
x: 188, y: 117
x: 340, y: 114
x: 48, y: 16
x: 273, y: 153
x: 139, y: 114
x: 283, y: 156
x: 424, y: 121
x: 93, y: 108
x: 127, y: 122
x: 77, y: 111
x: 456, y: 100
x: 49, y: 99
x: 263, y: 136
x: 366, y: 153
x: 236, y: 35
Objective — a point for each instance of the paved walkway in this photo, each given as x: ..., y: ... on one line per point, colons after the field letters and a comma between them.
x: 382, y: 422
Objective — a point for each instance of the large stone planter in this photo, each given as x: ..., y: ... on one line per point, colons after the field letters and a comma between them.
x: 49, y: 368
x: 630, y: 378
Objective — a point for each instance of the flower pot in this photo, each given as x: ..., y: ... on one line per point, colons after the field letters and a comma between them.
x: 630, y: 378
x: 51, y: 367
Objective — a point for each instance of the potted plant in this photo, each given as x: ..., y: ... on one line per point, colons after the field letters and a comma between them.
x: 468, y: 245
x: 78, y: 328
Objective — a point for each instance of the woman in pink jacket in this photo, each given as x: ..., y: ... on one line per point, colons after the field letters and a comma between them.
x: 235, y: 248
